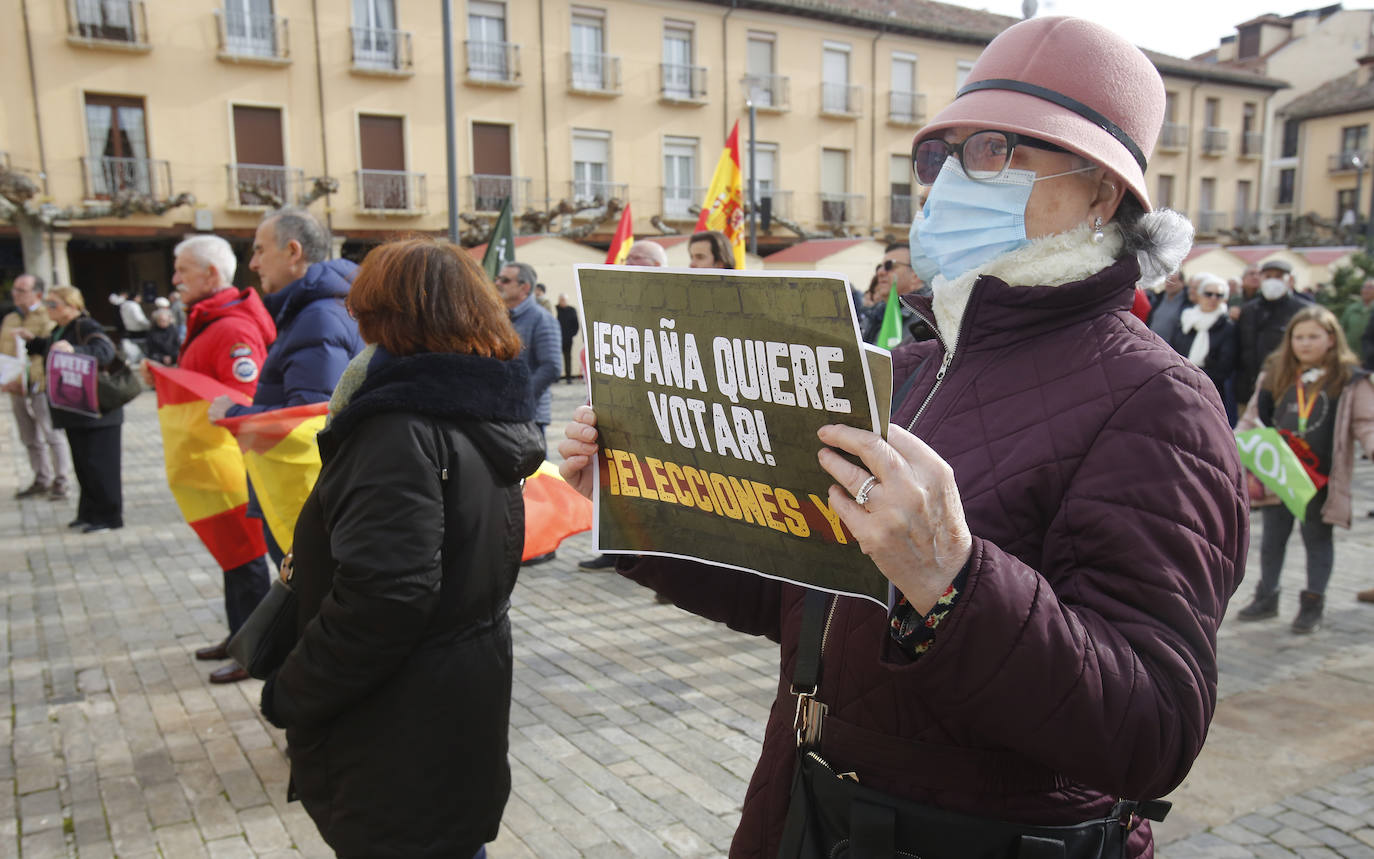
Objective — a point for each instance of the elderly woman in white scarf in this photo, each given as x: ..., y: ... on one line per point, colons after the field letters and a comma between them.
x: 1207, y: 336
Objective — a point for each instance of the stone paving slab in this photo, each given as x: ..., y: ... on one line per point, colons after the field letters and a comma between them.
x: 634, y: 726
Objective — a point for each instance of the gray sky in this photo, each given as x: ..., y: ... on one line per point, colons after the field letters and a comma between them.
x: 1182, y: 28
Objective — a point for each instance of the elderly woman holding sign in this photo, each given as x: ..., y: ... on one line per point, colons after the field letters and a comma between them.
x: 1058, y: 505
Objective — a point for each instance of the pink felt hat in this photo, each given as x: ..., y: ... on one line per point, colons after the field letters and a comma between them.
x: 1070, y: 82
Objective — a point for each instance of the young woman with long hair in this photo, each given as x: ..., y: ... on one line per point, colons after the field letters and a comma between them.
x: 1313, y: 391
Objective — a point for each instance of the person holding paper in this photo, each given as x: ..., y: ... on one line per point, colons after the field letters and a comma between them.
x: 94, y: 441
x: 47, y: 448
x: 1315, y: 393
x: 1058, y: 505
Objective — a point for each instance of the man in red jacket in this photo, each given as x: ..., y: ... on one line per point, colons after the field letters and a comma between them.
x: 228, y: 331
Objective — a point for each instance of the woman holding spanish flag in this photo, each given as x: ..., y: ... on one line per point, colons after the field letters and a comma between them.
x: 1314, y: 393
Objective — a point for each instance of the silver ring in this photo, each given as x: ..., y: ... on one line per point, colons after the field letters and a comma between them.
x: 861, y: 497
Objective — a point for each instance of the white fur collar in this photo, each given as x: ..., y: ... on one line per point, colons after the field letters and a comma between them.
x: 1047, y: 261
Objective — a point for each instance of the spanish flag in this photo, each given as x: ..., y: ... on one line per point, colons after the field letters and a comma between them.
x: 723, y: 209
x: 204, y: 466
x: 283, y: 461
x: 624, y: 237
x: 553, y: 511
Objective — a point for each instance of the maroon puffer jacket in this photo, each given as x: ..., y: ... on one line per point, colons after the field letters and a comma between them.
x: 1101, y: 483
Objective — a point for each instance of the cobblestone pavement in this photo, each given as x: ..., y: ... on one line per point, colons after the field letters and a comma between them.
x: 634, y: 725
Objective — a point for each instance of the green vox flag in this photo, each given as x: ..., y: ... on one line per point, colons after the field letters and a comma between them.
x: 890, y: 335
x: 501, y: 247
x: 1265, y: 453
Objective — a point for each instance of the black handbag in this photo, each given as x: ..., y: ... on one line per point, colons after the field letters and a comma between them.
x: 834, y: 816
x: 115, y: 384
x: 261, y: 645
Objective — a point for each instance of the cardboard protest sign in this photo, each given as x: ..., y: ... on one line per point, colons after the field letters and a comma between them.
x: 709, y: 388
x: 71, y: 382
x: 1265, y: 453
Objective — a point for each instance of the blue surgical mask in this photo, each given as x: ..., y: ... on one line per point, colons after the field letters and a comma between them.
x: 969, y: 223
x: 923, y: 265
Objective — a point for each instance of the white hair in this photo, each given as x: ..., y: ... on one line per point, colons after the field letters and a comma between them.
x: 211, y: 252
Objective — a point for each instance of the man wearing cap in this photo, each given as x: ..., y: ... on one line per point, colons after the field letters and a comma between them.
x: 1263, y: 319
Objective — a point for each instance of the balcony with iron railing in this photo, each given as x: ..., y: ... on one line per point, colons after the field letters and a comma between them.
x: 107, y: 177
x: 899, y: 209
x: 252, y: 38
x: 906, y: 108
x: 778, y: 203
x: 1215, y: 141
x: 593, y: 74
x: 391, y: 192
x: 841, y: 100
x: 492, y: 63
x: 386, y: 53
x: 1211, y: 222
x: 1251, y: 144
x: 1247, y: 221
x: 678, y: 201
x: 588, y: 193
x: 118, y: 24
x: 678, y: 84
x: 769, y: 93
x: 1348, y: 161
x: 257, y: 187
x: 487, y: 192
x: 841, y: 208
x: 1173, y: 137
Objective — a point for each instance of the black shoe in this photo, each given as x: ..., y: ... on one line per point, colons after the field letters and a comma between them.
x: 32, y: 490
x: 600, y: 562
x: 1309, y: 617
x: 78, y: 523
x: 1260, y: 607
x: 214, y: 652
x: 97, y: 527
x: 539, y: 559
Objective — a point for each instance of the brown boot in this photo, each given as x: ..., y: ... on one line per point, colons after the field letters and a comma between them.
x: 1365, y: 596
x: 1309, y: 617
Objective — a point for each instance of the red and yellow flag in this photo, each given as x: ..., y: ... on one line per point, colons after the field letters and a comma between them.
x: 624, y: 237
x: 204, y: 467
x: 553, y: 511
x: 283, y: 461
x: 723, y: 209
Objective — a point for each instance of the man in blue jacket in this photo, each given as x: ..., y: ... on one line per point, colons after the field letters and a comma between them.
x: 316, y: 338
x: 542, y: 343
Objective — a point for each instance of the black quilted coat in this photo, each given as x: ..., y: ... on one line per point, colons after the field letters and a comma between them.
x: 1101, y: 484
x: 396, y: 699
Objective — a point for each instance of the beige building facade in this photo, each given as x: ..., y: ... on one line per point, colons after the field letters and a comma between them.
x: 1330, y: 131
x: 249, y: 103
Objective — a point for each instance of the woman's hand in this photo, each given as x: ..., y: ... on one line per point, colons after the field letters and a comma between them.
x: 60, y: 346
x: 579, y: 450
x: 23, y: 334
x: 219, y: 408
x: 912, y: 525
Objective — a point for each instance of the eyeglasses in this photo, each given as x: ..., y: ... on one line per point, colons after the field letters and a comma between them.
x: 1212, y: 294
x: 890, y: 264
x: 52, y: 305
x: 504, y: 279
x: 984, y: 155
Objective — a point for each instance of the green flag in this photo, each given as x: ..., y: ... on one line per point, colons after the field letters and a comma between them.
x: 1265, y: 453
x: 501, y: 245
x: 890, y: 335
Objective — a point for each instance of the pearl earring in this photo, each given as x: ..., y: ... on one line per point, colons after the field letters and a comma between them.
x: 1098, y: 237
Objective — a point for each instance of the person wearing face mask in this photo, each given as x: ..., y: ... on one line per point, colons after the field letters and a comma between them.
x: 1050, y: 643
x: 1207, y: 337
x: 1259, y: 330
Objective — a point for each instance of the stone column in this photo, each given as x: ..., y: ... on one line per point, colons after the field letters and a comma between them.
x: 62, y: 270
x: 336, y: 249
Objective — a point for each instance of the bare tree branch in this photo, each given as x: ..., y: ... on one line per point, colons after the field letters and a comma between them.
x: 477, y: 229
x: 320, y: 186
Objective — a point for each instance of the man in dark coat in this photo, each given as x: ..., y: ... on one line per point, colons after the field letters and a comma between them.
x: 316, y: 338
x: 1259, y: 330
x: 227, y: 334
x: 567, y: 321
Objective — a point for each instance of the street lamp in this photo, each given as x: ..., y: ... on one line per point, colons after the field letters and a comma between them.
x: 1358, y: 163
x: 748, y: 84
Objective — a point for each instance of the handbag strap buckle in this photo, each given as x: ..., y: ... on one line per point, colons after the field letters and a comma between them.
x: 288, y: 568
x: 808, y: 719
